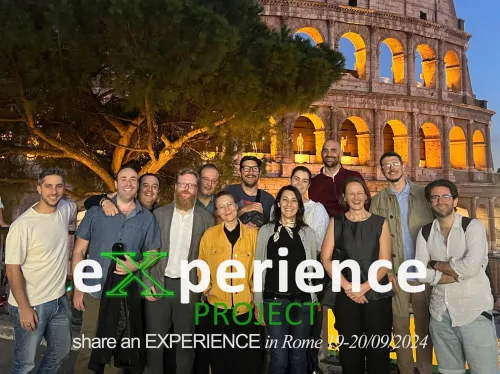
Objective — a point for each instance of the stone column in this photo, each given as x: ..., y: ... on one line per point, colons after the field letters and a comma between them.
x: 473, y: 207
x: 470, y: 149
x: 372, y: 161
x: 464, y: 77
x: 443, y: 93
x: 373, y: 55
x: 410, y: 63
x: 319, y: 137
x: 331, y: 40
x: 491, y: 221
x: 445, y: 146
x: 415, y: 146
x: 332, y: 134
x: 378, y: 140
x: 489, y: 156
x: 287, y: 145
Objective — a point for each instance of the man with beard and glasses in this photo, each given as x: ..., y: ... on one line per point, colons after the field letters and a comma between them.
x: 209, y: 175
x: 405, y: 207
x: 182, y: 223
x: 454, y: 249
x: 136, y: 229
x: 326, y: 187
x: 250, y: 197
x: 149, y: 188
x: 36, y: 258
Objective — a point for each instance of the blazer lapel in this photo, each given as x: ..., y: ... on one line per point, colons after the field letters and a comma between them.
x: 165, y: 226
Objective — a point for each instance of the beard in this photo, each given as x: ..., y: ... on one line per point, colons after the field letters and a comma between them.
x: 250, y: 184
x: 443, y: 213
x: 183, y: 203
x: 50, y: 202
x: 394, y: 179
x: 331, y: 163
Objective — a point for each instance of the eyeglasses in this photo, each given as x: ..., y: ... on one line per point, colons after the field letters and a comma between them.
x: 190, y: 186
x: 395, y: 165
x: 445, y: 197
x: 228, y: 206
x: 211, y: 181
x: 246, y: 169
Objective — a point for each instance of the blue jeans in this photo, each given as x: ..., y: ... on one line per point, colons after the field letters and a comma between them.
x: 475, y: 343
x: 282, y: 336
x: 54, y: 324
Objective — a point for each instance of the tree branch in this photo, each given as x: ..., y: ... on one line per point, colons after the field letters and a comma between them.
x: 13, y: 119
x: 170, y: 149
x: 7, y: 149
x: 150, y: 130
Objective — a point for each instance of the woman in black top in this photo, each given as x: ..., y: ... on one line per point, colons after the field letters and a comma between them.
x: 286, y: 312
x: 363, y: 318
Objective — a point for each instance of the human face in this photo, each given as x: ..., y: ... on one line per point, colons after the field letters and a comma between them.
x: 289, y: 205
x: 301, y: 181
x: 442, y: 203
x: 355, y: 196
x: 227, y: 208
x: 51, y: 190
x: 392, y: 168
x: 148, y: 190
x: 331, y: 153
x: 126, y: 184
x: 209, y: 182
x: 186, y: 190
x: 250, y: 173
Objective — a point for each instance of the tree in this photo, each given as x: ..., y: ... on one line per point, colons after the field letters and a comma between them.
x: 103, y: 82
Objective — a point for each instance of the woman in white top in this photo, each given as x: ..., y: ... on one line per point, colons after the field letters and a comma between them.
x: 315, y: 214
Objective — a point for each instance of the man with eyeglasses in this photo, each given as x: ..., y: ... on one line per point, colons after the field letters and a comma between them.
x: 254, y: 204
x: 454, y: 250
x: 209, y: 175
x: 405, y: 207
x: 326, y: 187
x: 182, y: 225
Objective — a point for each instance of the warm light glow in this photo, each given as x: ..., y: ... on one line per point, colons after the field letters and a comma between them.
x: 458, y: 148
x: 398, y: 60
x: 360, y: 54
x: 428, y: 65
x: 453, y: 71
x: 479, y: 147
x: 312, y: 32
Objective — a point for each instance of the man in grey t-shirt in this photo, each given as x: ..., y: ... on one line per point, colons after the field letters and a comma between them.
x: 246, y: 193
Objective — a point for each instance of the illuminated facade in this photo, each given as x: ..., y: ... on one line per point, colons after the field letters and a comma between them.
x: 432, y: 119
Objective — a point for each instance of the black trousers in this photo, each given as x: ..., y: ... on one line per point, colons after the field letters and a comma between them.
x: 374, y: 321
x: 228, y: 359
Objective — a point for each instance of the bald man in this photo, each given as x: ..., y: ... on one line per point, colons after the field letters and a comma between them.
x: 326, y: 187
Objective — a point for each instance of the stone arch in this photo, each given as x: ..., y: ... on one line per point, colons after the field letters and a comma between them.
x: 313, y: 137
x: 355, y: 132
x: 458, y: 148
x: 453, y: 71
x: 312, y: 32
x: 430, y: 145
x: 360, y: 53
x: 395, y: 135
x: 483, y: 216
x: 398, y: 59
x: 429, y: 66
x: 463, y: 210
x: 479, y: 150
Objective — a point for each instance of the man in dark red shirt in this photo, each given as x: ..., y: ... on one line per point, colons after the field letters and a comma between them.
x: 326, y: 187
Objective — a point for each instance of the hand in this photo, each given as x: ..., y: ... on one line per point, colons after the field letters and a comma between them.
x: 121, y: 270
x: 394, y: 281
x: 364, y: 288
x: 153, y: 291
x: 109, y: 208
x: 78, y: 300
x: 251, y: 225
x: 28, y: 318
x: 257, y: 315
x: 252, y: 206
x: 361, y: 300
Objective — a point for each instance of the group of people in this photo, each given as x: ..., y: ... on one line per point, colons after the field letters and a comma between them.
x: 331, y: 215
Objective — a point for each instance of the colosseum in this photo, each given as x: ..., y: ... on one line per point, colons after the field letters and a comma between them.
x: 424, y: 109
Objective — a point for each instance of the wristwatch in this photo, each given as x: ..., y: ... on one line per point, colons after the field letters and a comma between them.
x: 431, y: 264
x: 104, y: 198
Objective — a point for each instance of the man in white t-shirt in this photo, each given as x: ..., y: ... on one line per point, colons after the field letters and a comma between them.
x: 36, y: 256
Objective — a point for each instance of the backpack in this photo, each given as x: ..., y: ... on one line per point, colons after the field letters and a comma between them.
x: 426, y: 230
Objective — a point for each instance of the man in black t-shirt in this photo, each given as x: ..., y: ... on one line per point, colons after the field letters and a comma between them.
x: 247, y: 191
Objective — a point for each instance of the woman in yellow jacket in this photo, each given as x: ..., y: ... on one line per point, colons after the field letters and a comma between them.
x: 229, y: 314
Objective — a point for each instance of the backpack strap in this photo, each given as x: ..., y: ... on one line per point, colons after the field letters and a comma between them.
x: 426, y: 230
x: 257, y: 198
x: 338, y: 223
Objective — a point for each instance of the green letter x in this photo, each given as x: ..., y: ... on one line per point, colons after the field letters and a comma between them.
x: 151, y: 258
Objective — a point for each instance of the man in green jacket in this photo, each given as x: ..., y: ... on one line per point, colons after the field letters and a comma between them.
x: 405, y: 207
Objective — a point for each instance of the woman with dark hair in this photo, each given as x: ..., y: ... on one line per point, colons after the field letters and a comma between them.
x: 286, y: 238
x: 229, y: 240
x: 363, y: 318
